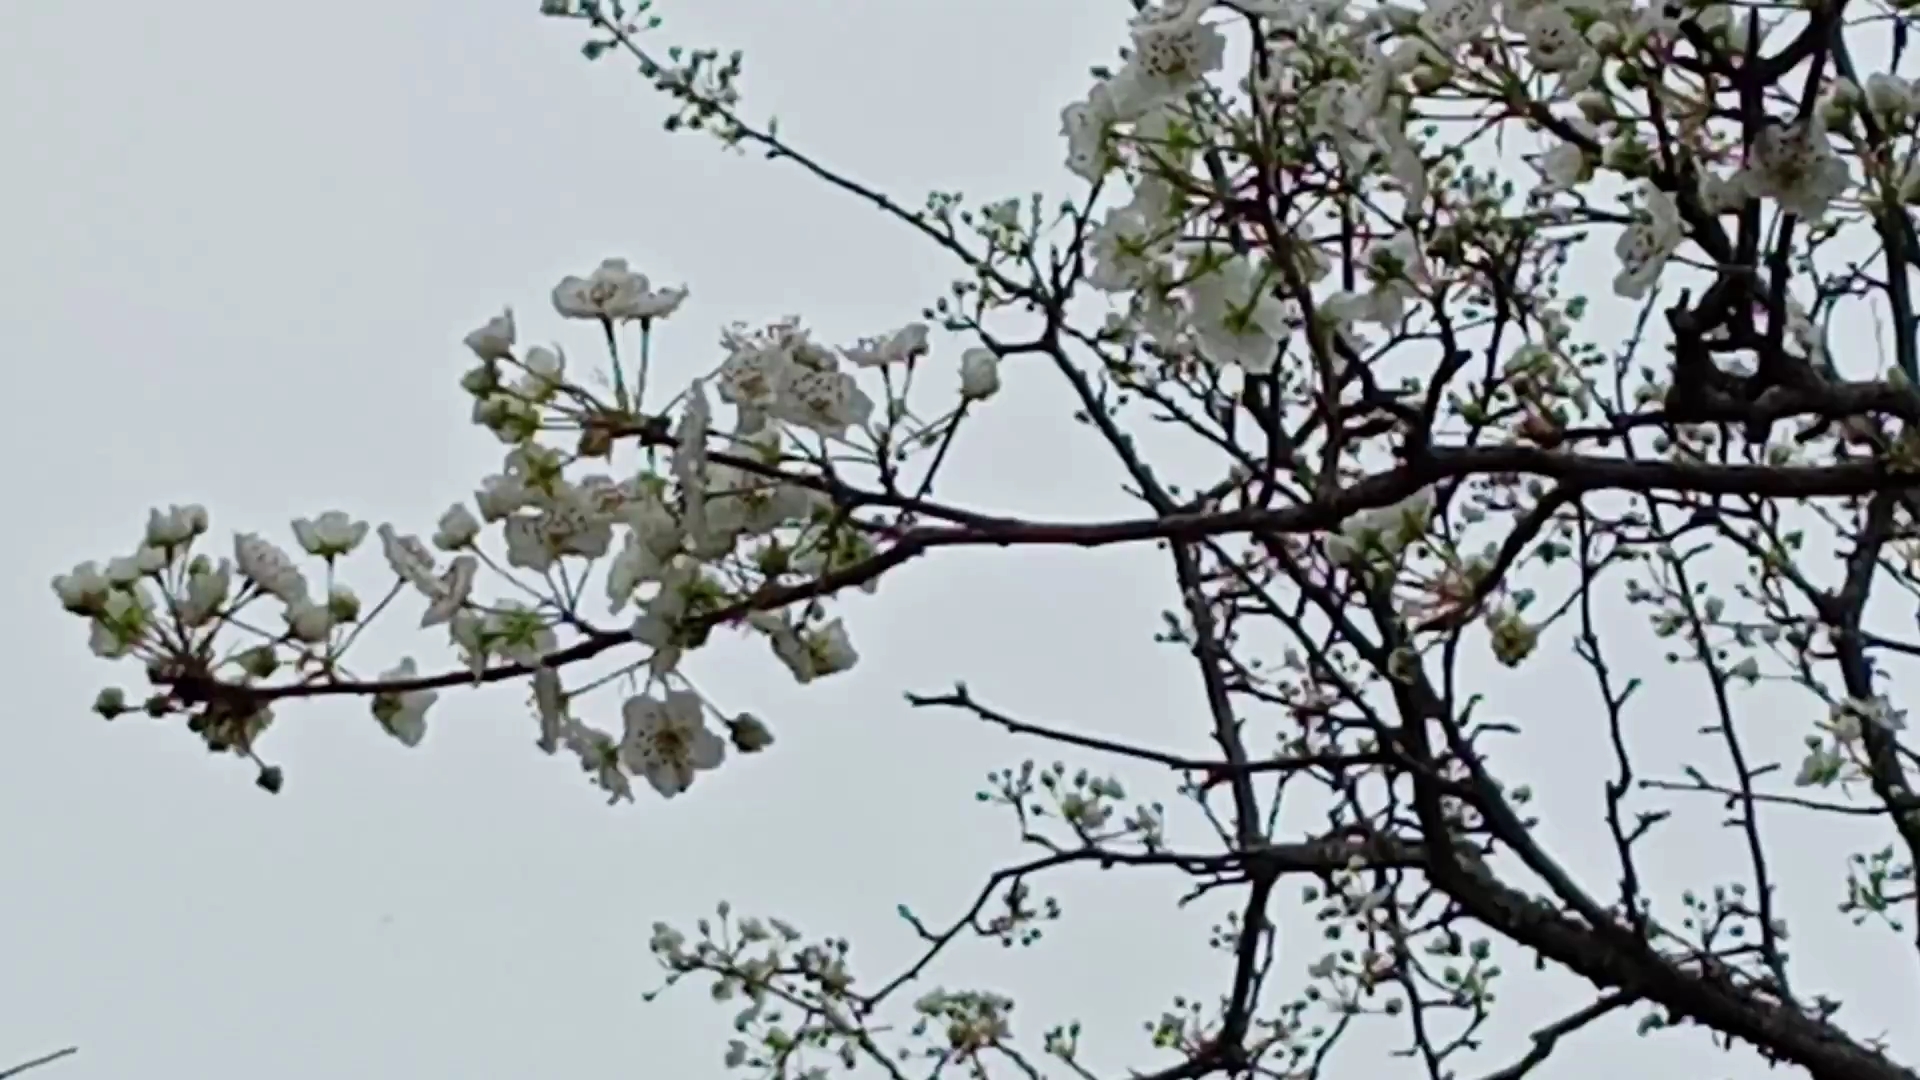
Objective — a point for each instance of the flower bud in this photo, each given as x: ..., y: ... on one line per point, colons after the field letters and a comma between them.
x: 110, y: 702
x: 259, y: 661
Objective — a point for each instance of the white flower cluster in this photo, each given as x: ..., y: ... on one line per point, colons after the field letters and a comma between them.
x: 1360, y: 71
x: 733, y: 515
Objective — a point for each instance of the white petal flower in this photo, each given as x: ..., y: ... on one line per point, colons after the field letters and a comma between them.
x: 1877, y: 711
x: 123, y: 570
x: 599, y: 755
x: 615, y: 293
x: 526, y: 541
x: 979, y: 374
x: 308, y: 621
x: 1236, y: 318
x: 1088, y: 126
x: 330, y: 535
x: 1171, y: 55
x: 635, y: 564
x: 1562, y: 167
x: 1385, y: 529
x: 457, y: 528
x: 175, y: 525
x: 550, y: 707
x: 205, y: 593
x: 1554, y: 43
x: 404, y: 713
x: 752, y: 374
x: 501, y: 495
x: 1891, y: 97
x: 82, y: 590
x: 268, y: 568
x: 1645, y: 246
x: 494, y: 341
x: 546, y: 371
x: 831, y: 649
x: 518, y: 633
x: 828, y: 402
x: 904, y: 345
x: 409, y: 559
x: 1454, y: 23
x: 1125, y: 251
x: 451, y: 591
x: 667, y: 742
x: 1795, y: 165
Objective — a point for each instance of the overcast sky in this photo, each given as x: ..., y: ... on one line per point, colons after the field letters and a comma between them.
x: 239, y: 245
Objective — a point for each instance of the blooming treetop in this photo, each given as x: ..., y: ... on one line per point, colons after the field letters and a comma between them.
x: 1329, y: 241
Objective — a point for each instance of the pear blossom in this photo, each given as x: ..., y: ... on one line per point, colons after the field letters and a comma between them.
x: 599, y: 754
x: 667, y: 741
x: 124, y: 570
x: 1892, y: 98
x: 1088, y: 126
x: 1125, y: 250
x: 752, y: 375
x: 829, y: 402
x: 545, y: 373
x: 1236, y: 318
x: 808, y: 653
x: 1453, y: 23
x: 457, y: 528
x: 689, y: 463
x: 175, y: 525
x: 904, y: 345
x: 82, y: 590
x: 518, y: 633
x: 500, y: 496
x: 206, y: 591
x: 614, y: 293
x: 270, y: 569
x: 1554, y: 43
x: 330, y: 535
x: 494, y: 339
x: 979, y: 374
x: 409, y: 559
x: 1644, y: 247
x: 451, y: 591
x: 404, y: 713
x: 550, y: 708
x: 1387, y: 529
x: 636, y: 563
x: 1794, y: 165
x: 1171, y: 55
x: 122, y: 622
x: 308, y: 621
x: 1878, y: 711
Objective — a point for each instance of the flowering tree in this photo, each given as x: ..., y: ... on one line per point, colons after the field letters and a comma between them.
x: 1327, y: 246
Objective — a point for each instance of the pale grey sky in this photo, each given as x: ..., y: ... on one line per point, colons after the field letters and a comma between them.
x: 239, y: 244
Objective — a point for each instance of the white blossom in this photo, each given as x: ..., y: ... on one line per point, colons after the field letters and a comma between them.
x: 83, y: 589
x: 615, y: 293
x: 175, y: 525
x: 979, y: 374
x: 457, y: 528
x: 403, y: 713
x: 330, y: 535
x: 1236, y: 318
x: 268, y: 567
x: 494, y: 339
x: 1645, y: 246
x: 904, y: 345
x: 1794, y: 164
x: 667, y: 741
